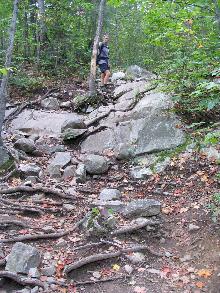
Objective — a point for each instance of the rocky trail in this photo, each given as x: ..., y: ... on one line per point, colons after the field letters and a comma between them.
x: 114, y: 194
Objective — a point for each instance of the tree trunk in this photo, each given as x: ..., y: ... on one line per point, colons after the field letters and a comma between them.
x: 92, y: 78
x: 7, y: 65
x: 217, y: 13
x: 42, y: 34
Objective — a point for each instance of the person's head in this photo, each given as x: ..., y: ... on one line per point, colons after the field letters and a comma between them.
x: 105, y: 38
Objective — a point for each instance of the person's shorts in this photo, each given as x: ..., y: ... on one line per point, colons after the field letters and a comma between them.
x: 104, y: 67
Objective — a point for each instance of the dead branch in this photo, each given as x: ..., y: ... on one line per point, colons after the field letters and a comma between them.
x: 136, y: 226
x: 21, y: 280
x: 35, y: 237
x: 104, y: 256
x: 36, y: 189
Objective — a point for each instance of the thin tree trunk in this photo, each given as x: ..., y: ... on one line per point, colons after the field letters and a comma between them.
x: 217, y: 13
x: 92, y: 78
x: 7, y: 65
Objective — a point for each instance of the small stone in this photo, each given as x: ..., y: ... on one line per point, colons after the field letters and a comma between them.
x: 96, y: 164
x: 53, y: 287
x: 50, y: 103
x: 61, y: 243
x: 32, y: 179
x: 67, y: 104
x: 37, y: 196
x: 47, y: 255
x: 96, y: 275
x: 48, y: 229
x: 186, y: 257
x: 193, y: 227
x: 109, y: 194
x: 48, y: 271
x: 136, y: 257
x: 34, y: 273
x: 50, y: 280
x: 153, y: 271
x: 30, y: 169
x: 162, y: 240
x: 68, y: 207
x: 81, y: 173
x: 129, y: 269
x: 25, y: 144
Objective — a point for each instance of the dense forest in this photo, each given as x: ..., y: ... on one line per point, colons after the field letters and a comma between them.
x: 109, y: 146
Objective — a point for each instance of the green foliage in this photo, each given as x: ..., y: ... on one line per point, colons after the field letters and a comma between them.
x: 215, y: 207
x: 212, y: 138
x: 26, y: 82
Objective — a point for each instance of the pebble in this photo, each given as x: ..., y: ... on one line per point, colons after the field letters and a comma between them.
x: 193, y: 227
x: 129, y: 269
x: 136, y: 257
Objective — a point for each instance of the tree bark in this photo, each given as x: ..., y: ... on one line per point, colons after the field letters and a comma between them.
x: 92, y: 78
x: 217, y: 13
x: 7, y: 65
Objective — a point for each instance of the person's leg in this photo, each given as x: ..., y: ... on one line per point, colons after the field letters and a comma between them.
x: 107, y: 76
x: 102, y: 78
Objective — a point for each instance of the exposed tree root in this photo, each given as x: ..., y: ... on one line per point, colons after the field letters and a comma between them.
x: 13, y: 222
x: 21, y: 280
x: 36, y: 189
x: 13, y: 206
x: 134, y: 227
x: 104, y: 256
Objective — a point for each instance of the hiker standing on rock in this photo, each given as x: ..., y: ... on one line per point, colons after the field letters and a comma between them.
x: 103, y: 61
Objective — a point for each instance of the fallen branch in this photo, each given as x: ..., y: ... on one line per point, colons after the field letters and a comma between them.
x: 21, y: 280
x: 29, y: 237
x: 36, y: 189
x: 136, y: 226
x: 104, y: 256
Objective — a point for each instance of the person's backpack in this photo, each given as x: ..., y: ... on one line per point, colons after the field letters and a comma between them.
x: 99, y: 53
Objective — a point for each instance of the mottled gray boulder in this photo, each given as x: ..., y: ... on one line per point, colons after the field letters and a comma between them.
x: 25, y: 144
x: 135, y: 71
x: 30, y: 170
x: 22, y: 257
x: 142, y: 207
x: 147, y: 128
x: 60, y: 160
x: 73, y: 123
x: 81, y: 173
x: 117, y: 75
x: 96, y: 164
x: 50, y: 103
x: 109, y: 194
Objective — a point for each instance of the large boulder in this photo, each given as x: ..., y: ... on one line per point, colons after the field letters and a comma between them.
x: 96, y: 164
x: 135, y: 71
x: 149, y: 127
x: 142, y: 208
x: 25, y: 144
x: 22, y: 258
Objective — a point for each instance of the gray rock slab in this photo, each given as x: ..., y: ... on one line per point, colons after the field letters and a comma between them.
x: 96, y: 164
x: 142, y: 208
x: 109, y: 194
x: 81, y: 173
x: 76, y: 122
x: 41, y: 122
x: 117, y: 76
x: 22, y: 257
x: 114, y: 205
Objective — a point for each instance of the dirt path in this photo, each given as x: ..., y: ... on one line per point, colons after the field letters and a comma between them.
x: 187, y: 238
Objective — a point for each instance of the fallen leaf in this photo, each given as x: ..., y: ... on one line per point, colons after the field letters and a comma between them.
x: 116, y: 267
x: 200, y: 285
x: 206, y: 273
